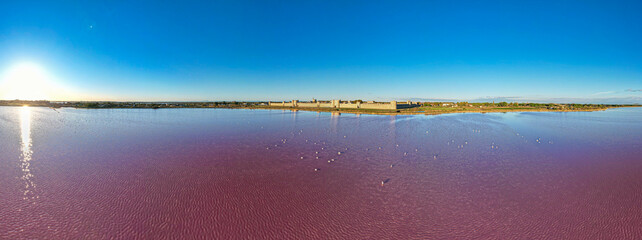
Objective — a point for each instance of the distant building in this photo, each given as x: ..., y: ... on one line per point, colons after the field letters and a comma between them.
x: 343, y: 104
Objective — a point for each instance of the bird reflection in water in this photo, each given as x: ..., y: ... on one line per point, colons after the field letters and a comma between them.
x: 25, y: 156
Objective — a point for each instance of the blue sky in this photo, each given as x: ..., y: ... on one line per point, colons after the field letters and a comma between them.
x: 580, y: 51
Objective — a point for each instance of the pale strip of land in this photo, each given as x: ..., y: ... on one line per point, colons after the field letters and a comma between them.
x: 443, y: 110
x: 425, y: 108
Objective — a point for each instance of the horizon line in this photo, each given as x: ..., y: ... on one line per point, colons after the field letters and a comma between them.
x: 479, y: 100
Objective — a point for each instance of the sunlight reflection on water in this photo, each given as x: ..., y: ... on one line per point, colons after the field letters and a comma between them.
x: 26, y: 152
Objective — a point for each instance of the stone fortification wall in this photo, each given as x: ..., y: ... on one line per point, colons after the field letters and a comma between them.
x: 338, y: 104
x: 379, y: 105
x: 308, y: 104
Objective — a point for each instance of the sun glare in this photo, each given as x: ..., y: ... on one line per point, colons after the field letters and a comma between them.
x: 26, y: 81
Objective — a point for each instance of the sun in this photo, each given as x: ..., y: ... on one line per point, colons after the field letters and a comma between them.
x: 26, y: 81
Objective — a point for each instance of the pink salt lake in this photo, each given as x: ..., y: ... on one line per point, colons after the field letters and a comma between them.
x: 230, y: 174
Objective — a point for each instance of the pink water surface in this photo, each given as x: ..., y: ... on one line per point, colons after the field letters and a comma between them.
x: 250, y: 174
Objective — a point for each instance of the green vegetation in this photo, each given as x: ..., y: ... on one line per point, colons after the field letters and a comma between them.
x: 110, y: 104
x: 441, y: 107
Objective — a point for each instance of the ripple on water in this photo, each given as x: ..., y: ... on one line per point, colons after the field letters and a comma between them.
x: 229, y: 174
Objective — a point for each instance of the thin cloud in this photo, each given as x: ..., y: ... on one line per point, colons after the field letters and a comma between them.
x: 608, y: 99
x: 433, y: 99
x: 603, y: 93
x: 634, y: 90
x: 502, y: 97
x: 498, y: 99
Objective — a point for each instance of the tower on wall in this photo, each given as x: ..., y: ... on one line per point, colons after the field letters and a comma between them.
x: 336, y: 103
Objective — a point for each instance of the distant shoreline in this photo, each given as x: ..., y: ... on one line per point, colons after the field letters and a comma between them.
x: 352, y: 111
x: 426, y: 108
